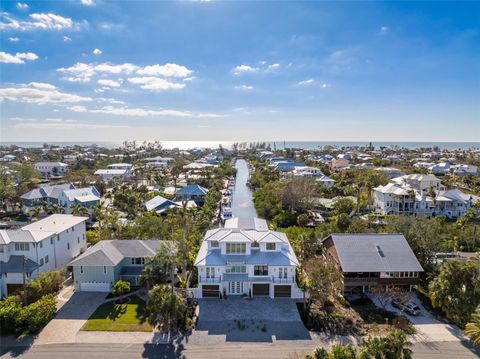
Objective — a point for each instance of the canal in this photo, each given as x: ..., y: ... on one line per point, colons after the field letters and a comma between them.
x: 242, y: 203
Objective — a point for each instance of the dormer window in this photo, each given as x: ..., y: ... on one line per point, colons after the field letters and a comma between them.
x: 271, y: 246
x: 214, y: 244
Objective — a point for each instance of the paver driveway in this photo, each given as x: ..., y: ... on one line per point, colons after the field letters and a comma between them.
x: 241, y: 320
x: 70, y: 318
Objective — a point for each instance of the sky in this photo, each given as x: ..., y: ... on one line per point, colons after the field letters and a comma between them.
x: 97, y: 70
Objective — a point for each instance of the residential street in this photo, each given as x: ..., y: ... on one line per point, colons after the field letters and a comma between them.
x: 443, y: 350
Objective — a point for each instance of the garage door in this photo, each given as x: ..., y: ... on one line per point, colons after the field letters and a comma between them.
x: 210, y: 291
x: 282, y: 291
x: 261, y: 289
x: 94, y: 287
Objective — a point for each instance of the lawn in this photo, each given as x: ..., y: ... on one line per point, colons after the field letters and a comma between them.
x: 113, y: 317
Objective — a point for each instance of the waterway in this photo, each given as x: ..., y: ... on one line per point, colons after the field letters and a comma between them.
x: 242, y: 203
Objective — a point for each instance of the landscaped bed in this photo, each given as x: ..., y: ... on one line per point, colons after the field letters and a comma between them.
x: 128, y: 317
x: 357, y: 317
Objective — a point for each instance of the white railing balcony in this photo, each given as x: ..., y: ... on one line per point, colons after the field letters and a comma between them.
x: 283, y: 280
x: 209, y: 280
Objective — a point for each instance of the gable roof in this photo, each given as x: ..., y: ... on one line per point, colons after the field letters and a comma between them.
x: 112, y: 252
x: 192, y: 190
x: 374, y: 253
x: 159, y: 203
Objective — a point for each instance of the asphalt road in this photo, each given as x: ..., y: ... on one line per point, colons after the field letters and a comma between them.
x: 440, y: 350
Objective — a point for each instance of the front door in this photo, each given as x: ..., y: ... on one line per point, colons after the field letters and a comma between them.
x: 235, y: 287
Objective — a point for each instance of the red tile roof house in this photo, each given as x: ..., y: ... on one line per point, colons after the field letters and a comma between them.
x: 372, y: 260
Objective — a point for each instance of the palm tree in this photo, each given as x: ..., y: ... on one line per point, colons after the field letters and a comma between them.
x: 472, y: 329
x: 373, y: 348
x: 79, y: 210
x: 35, y: 212
x: 398, y: 345
x: 55, y: 208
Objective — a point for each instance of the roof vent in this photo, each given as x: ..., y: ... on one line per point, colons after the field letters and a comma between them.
x: 379, y: 250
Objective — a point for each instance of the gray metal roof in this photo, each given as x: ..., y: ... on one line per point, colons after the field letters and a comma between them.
x: 375, y: 253
x: 112, y: 252
x: 15, y: 265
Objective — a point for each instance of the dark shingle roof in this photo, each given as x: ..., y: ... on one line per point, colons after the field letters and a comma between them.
x: 375, y: 253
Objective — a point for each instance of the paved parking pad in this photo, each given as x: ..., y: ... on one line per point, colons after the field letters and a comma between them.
x: 248, y: 320
x: 70, y: 318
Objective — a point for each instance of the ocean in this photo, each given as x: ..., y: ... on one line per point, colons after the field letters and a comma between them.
x: 308, y: 145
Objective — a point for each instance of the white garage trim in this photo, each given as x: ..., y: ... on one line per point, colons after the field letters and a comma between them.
x: 95, y: 287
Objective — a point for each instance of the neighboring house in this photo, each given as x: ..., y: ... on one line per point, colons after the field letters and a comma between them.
x: 107, y: 175
x: 109, y: 261
x: 246, y: 258
x: 421, y: 195
x: 192, y: 192
x: 65, y: 195
x: 441, y: 168
x: 463, y: 170
x: 51, y: 169
x: 158, y: 161
x: 285, y: 166
x: 326, y: 181
x: 116, y: 171
x: 339, y: 164
x: 159, y: 204
x: 372, y: 260
x: 390, y: 172
x: 48, y: 244
x: 8, y: 158
x: 306, y: 171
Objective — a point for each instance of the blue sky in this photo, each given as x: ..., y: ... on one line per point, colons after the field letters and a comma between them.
x: 96, y: 70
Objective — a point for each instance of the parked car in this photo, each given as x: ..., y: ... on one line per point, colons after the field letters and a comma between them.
x: 407, y: 307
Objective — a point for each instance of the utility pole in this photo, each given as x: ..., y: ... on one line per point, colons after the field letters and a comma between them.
x: 24, y: 264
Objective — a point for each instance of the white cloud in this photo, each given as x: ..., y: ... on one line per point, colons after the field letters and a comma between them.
x: 67, y: 39
x: 60, y: 124
x: 116, y: 69
x: 262, y: 67
x: 38, y: 21
x: 244, y: 87
x: 39, y: 93
x: 384, y: 29
x: 191, y: 78
x: 140, y: 112
x: 306, y: 82
x: 22, y: 6
x: 110, y: 83
x: 155, y: 83
x: 87, y: 2
x: 18, y: 58
x: 82, y: 72
x: 312, y: 82
x: 273, y: 67
x: 97, y: 52
x: 167, y: 70
x: 241, y: 69
x: 13, y: 39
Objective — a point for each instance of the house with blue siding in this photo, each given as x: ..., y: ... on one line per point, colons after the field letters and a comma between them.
x: 65, y: 195
x: 108, y: 261
x: 192, y: 192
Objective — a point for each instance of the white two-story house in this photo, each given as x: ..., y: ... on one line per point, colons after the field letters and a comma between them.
x: 246, y: 258
x: 51, y: 169
x: 419, y: 194
x: 45, y: 245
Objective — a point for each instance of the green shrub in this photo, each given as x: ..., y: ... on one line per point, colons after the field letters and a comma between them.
x: 10, y: 309
x: 35, y: 316
x: 120, y: 288
x: 46, y: 283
